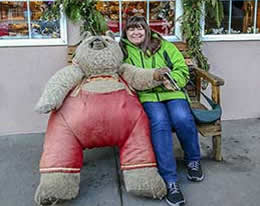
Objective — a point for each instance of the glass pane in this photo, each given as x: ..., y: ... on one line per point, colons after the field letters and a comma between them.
x: 41, y: 28
x: 249, y: 17
x: 258, y: 18
x: 131, y: 8
x: 162, y: 16
x: 161, y: 13
x: 210, y: 24
x: 13, y: 20
x: 237, y: 20
x: 242, y: 17
x: 110, y: 10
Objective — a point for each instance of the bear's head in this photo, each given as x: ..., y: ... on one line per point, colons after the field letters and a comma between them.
x: 99, y: 55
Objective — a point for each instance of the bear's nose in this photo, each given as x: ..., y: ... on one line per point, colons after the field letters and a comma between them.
x: 98, y: 43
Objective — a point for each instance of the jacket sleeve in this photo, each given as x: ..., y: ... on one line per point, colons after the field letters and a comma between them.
x: 180, y: 70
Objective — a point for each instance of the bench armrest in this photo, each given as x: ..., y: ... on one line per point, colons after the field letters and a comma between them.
x: 213, y: 79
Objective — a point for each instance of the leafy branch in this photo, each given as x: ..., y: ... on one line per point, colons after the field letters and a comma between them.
x: 191, y: 26
x: 83, y: 11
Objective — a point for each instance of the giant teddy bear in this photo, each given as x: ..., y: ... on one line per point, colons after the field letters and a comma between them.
x: 92, y: 106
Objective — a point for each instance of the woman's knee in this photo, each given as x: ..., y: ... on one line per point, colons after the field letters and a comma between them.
x: 180, y: 112
x: 157, y: 114
x: 160, y: 124
x: 159, y: 120
x: 182, y: 117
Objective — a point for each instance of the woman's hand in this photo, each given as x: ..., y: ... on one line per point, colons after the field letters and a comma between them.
x: 167, y: 84
x: 158, y: 74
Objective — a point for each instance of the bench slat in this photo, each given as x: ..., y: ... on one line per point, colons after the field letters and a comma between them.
x: 208, y: 130
x: 181, y: 46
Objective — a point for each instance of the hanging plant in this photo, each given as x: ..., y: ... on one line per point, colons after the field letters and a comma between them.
x: 191, y: 26
x: 83, y: 11
x: 92, y: 20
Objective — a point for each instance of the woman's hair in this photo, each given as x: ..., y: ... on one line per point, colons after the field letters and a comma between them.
x: 150, y: 43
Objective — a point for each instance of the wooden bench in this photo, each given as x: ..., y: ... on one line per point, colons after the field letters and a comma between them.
x: 197, y: 74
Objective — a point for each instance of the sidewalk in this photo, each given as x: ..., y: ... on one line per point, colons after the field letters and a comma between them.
x: 233, y: 182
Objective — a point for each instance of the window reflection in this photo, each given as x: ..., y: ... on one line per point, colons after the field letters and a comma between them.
x: 13, y: 20
x: 239, y: 18
x: 21, y: 21
x: 160, y: 14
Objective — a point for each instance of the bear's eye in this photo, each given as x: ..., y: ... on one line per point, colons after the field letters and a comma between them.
x: 108, y: 40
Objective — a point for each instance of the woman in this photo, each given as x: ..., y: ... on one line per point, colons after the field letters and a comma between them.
x: 166, y: 109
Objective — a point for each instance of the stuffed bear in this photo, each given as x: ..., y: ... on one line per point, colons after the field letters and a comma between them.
x: 92, y: 104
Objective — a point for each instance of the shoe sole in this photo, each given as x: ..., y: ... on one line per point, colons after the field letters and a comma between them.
x: 176, y: 204
x: 195, y: 179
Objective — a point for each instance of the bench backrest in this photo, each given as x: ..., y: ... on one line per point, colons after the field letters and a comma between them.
x: 193, y: 93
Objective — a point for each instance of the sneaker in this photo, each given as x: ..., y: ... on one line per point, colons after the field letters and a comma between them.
x: 195, y: 173
x: 174, y: 195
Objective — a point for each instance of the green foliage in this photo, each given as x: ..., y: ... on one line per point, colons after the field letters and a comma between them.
x: 83, y: 11
x: 191, y: 26
x: 215, y: 10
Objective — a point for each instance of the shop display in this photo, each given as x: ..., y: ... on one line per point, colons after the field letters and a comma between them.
x: 242, y: 19
x: 161, y: 14
x: 16, y: 15
x: 14, y: 21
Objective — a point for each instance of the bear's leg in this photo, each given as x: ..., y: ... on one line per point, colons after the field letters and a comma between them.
x: 144, y: 182
x: 60, y: 163
x: 138, y: 163
x: 54, y: 187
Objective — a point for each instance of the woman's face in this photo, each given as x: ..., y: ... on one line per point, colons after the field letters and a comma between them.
x: 136, y: 35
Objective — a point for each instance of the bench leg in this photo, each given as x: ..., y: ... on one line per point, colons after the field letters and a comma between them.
x: 216, y: 143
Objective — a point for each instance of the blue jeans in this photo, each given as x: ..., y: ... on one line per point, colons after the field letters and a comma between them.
x: 163, y: 116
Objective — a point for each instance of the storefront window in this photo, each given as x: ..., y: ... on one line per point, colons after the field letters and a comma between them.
x: 241, y: 21
x: 22, y: 23
x: 161, y: 15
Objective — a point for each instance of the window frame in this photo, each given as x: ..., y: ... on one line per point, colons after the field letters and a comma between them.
x: 63, y: 40
x: 230, y: 37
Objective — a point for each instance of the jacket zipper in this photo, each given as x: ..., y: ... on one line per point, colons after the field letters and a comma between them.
x: 132, y: 61
x: 153, y: 66
x: 142, y: 60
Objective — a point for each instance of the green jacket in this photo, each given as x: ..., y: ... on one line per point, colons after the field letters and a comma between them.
x: 180, y: 70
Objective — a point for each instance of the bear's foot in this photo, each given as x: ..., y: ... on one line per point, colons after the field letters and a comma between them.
x: 145, y: 182
x: 56, y: 187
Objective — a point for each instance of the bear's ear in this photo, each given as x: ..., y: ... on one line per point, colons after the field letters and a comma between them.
x: 87, y: 34
x: 110, y: 34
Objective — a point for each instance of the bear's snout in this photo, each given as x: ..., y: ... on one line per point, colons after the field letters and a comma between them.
x: 98, y: 43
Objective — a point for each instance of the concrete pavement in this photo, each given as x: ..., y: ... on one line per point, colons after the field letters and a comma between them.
x: 235, y: 181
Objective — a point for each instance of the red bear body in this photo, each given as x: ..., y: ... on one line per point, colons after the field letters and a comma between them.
x: 91, y: 120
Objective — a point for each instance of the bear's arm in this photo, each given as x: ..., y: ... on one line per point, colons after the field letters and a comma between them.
x: 58, y: 87
x: 138, y: 78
